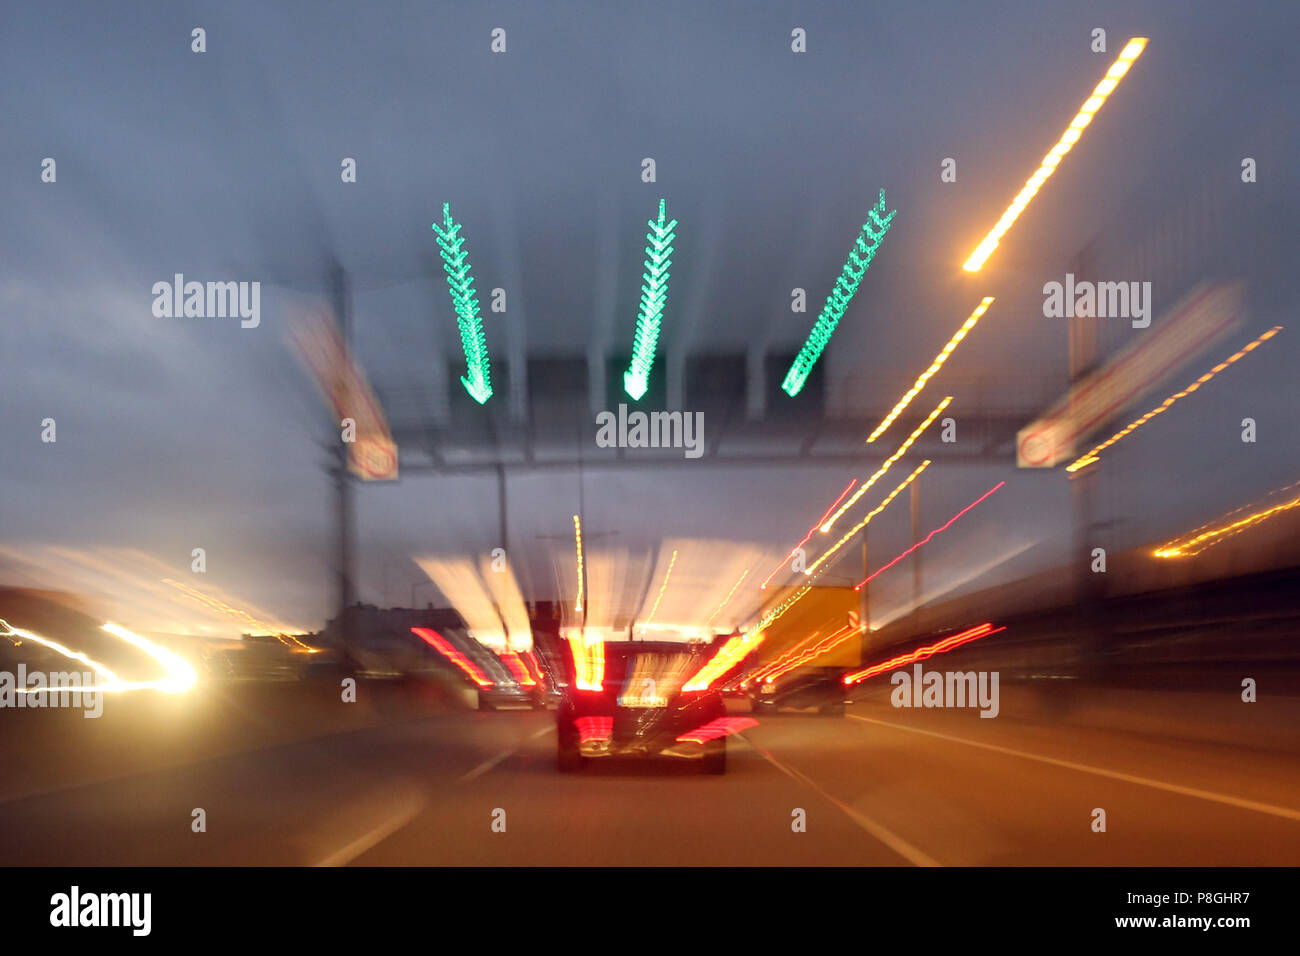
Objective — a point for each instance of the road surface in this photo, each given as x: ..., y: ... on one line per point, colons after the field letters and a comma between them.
x: 877, y: 787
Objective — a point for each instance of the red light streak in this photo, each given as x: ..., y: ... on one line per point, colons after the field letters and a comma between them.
x: 808, y: 536
x: 534, y: 668
x: 444, y: 647
x: 594, y: 728
x: 800, y: 654
x: 921, y: 653
x: 721, y: 727
x: 944, y: 527
x: 517, y: 668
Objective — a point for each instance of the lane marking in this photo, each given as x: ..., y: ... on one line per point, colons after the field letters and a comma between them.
x: 377, y: 835
x: 881, y: 833
x: 1283, y: 812
x: 491, y: 762
x: 398, y: 821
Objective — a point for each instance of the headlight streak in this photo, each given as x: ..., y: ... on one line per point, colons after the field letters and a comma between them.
x: 1132, y: 50
x: 880, y: 472
x: 921, y: 653
x: 848, y: 535
x: 930, y: 372
x: 180, y: 675
x: 944, y: 527
x: 1088, y: 458
x: 808, y: 536
x: 111, y: 680
x: 1196, y: 541
x: 180, y: 678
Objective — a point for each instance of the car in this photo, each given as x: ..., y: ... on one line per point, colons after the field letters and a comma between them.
x: 642, y: 699
x: 803, y: 689
x: 509, y: 695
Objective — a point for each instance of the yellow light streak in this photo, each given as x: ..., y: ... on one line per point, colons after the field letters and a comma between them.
x: 902, y: 449
x: 1054, y: 156
x: 1185, y: 546
x: 934, y: 367
x: 1088, y: 458
x: 726, y: 600
x: 254, y: 624
x: 180, y: 675
x: 728, y: 656
x: 577, y: 538
x: 588, y: 661
x: 848, y: 535
x: 662, y: 588
x: 110, y: 679
x: 180, y: 678
x: 655, y: 681
x: 774, y: 615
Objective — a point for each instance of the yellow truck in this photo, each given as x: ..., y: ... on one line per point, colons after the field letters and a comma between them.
x: 805, y: 651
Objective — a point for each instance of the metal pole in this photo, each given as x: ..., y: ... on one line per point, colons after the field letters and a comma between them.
x: 864, y: 604
x: 503, y: 529
x: 343, y: 486
x: 1082, y: 360
x: 916, y: 539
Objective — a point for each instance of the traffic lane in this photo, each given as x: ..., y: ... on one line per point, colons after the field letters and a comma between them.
x: 871, y: 793
x: 303, y: 803
x: 947, y: 793
x: 634, y: 813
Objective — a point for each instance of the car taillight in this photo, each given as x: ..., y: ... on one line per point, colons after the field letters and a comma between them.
x: 588, y: 663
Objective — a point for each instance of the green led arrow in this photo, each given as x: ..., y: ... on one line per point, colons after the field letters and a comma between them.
x: 841, y: 294
x: 455, y: 260
x: 654, y: 293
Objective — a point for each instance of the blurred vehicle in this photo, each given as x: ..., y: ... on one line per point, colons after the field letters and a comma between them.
x: 805, y: 652
x: 508, y: 695
x: 641, y: 699
x: 819, y: 688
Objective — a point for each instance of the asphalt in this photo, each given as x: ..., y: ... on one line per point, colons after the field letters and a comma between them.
x: 878, y: 787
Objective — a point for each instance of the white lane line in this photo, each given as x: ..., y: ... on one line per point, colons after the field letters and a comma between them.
x: 488, y: 764
x: 1284, y: 812
x: 880, y: 832
x: 377, y: 835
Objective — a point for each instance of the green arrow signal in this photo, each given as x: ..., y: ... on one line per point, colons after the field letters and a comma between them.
x: 654, y: 294
x: 455, y: 260
x: 873, y: 231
